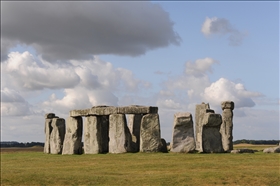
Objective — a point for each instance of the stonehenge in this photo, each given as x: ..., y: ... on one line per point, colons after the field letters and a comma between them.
x: 150, y: 140
x: 109, y: 129
x: 54, y: 130
x: 183, y: 133
x: 119, y: 135
x: 226, y: 127
x: 73, y: 136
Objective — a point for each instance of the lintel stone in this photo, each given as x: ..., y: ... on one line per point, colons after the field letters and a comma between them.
x: 108, y: 110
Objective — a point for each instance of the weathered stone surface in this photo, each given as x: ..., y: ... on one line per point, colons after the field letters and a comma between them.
x: 119, y: 135
x: 107, y: 110
x: 211, y: 137
x: 57, y: 135
x: 236, y: 151
x: 227, y: 125
x: 150, y: 133
x: 183, y: 134
x: 76, y: 113
x: 137, y: 109
x: 49, y: 115
x: 163, y: 146
x: 134, y: 122
x: 48, y: 130
x: 73, y: 136
x: 198, y: 115
x: 272, y: 150
x: 96, y: 134
x: 227, y: 105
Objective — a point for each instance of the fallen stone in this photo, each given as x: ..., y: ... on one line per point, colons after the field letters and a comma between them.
x: 236, y: 151
x: 183, y: 134
x: 227, y: 125
x: 272, y: 150
x: 57, y: 135
x: 150, y: 139
x: 119, y: 135
x: 96, y: 133
x: 73, y: 136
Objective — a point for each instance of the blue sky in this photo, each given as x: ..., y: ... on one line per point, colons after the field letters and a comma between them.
x: 59, y: 56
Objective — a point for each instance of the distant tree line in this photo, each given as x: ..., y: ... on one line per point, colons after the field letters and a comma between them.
x: 257, y: 142
x: 253, y: 142
x: 17, y: 144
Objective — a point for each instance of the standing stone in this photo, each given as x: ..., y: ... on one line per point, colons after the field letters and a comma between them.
x: 163, y: 146
x: 227, y: 125
x: 183, y: 134
x: 57, y: 135
x: 96, y: 132
x: 211, y: 136
x: 48, y: 130
x: 198, y: 127
x: 134, y: 122
x: 119, y: 135
x: 150, y: 139
x: 73, y: 136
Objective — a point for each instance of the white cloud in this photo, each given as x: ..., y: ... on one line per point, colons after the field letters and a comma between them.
x: 168, y: 104
x: 221, y: 26
x: 224, y: 89
x: 13, y: 104
x: 199, y: 67
x: 77, y: 30
x: 80, y: 98
x: 84, y: 83
x: 24, y: 71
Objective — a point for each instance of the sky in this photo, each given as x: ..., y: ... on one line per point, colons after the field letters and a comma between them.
x: 59, y: 56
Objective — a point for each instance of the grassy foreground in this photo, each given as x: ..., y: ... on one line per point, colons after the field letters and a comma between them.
x: 37, y: 168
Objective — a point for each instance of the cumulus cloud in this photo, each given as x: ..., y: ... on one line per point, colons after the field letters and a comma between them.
x: 221, y: 26
x: 24, y: 71
x: 224, y: 89
x: 77, y: 30
x: 13, y: 104
x: 27, y: 72
x: 83, y: 83
x: 80, y: 98
x: 199, y: 67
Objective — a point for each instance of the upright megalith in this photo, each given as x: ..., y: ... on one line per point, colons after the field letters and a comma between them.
x: 183, y: 133
x: 73, y: 136
x: 227, y: 125
x: 211, y: 138
x: 96, y: 131
x: 163, y: 146
x: 119, y: 135
x: 150, y: 140
x: 48, y: 129
x: 57, y: 135
x: 200, y: 109
x: 134, y: 122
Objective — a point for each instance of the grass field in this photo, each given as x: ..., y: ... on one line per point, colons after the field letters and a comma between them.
x: 29, y: 166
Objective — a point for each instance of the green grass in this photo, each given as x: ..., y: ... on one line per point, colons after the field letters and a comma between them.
x: 37, y: 168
